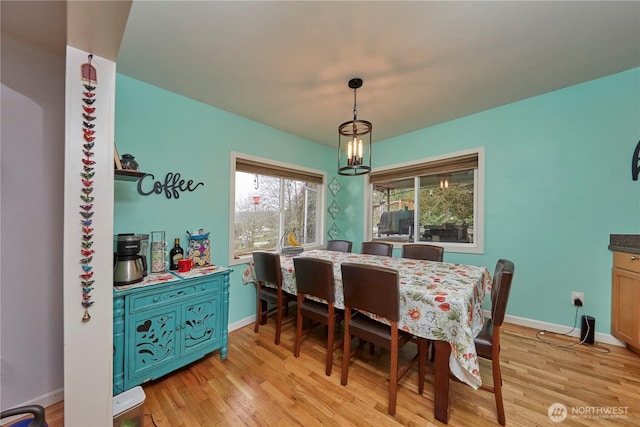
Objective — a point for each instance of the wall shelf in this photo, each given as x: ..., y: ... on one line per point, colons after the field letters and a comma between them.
x: 127, y: 175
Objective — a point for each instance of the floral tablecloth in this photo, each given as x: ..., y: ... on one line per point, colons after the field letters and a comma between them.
x: 438, y: 300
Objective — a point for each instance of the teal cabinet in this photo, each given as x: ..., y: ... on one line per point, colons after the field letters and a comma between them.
x: 164, y: 326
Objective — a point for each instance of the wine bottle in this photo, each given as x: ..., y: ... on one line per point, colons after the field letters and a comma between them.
x: 175, y: 255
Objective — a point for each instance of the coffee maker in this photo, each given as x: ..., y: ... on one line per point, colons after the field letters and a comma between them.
x: 130, y: 259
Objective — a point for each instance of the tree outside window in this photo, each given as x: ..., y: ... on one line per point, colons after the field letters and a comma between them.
x: 437, y: 201
x: 272, y: 208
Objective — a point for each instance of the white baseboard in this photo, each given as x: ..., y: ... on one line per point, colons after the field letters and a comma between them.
x: 522, y: 321
x: 600, y: 337
x: 242, y: 323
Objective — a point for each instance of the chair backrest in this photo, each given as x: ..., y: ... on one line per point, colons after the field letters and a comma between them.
x: 371, y: 288
x: 500, y: 289
x: 377, y: 248
x: 419, y: 251
x: 267, y: 267
x: 315, y: 277
x: 339, y: 245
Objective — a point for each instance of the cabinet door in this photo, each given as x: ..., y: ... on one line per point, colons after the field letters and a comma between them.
x: 118, y: 345
x: 625, y: 306
x: 201, y: 327
x: 152, y: 342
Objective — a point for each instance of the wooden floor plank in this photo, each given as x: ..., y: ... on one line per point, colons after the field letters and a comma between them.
x: 261, y: 384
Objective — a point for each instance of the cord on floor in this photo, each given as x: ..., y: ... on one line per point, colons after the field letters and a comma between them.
x: 597, y: 348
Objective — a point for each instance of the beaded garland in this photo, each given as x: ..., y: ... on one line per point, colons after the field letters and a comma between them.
x: 89, y: 84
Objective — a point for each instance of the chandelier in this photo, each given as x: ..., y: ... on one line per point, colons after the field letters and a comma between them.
x: 350, y: 136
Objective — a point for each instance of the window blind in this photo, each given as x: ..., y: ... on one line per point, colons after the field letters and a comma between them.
x: 255, y: 167
x: 449, y: 165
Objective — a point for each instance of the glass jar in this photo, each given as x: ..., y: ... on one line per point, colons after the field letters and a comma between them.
x: 129, y: 162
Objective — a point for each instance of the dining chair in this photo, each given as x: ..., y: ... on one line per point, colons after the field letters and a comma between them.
x: 267, y: 270
x: 339, y: 245
x: 314, y: 278
x: 377, y: 248
x: 488, y: 340
x: 375, y: 290
x: 423, y: 251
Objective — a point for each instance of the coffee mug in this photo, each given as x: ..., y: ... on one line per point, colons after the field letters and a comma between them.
x: 158, y: 255
x: 159, y: 266
x: 184, y: 265
x: 158, y: 259
x: 158, y: 246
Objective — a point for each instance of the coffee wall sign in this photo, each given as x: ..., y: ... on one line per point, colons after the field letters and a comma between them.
x: 172, y: 185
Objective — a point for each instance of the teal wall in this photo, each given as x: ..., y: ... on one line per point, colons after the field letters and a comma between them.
x: 171, y: 133
x: 557, y: 182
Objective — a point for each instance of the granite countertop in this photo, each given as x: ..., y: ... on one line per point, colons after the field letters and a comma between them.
x: 629, y: 243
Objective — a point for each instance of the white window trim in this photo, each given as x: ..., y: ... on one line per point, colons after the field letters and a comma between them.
x: 477, y: 247
x: 232, y: 201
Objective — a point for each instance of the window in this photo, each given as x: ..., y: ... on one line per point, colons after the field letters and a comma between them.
x: 272, y: 200
x: 438, y: 200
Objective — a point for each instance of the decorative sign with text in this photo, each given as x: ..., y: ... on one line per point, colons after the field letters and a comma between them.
x: 171, y: 186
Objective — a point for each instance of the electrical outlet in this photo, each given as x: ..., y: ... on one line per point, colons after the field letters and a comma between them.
x: 577, y: 295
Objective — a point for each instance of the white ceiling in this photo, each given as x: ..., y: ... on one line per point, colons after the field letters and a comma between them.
x: 287, y: 64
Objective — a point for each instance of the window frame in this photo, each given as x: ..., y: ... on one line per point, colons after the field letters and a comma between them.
x: 274, y: 165
x: 477, y: 247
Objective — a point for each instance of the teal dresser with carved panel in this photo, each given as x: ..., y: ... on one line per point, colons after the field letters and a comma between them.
x: 166, y: 322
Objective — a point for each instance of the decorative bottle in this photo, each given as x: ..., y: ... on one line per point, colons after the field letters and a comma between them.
x: 175, y: 255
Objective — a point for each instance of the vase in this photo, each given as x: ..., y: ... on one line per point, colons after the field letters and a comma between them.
x: 129, y: 162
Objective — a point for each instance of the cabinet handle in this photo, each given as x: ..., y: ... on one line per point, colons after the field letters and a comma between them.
x: 634, y: 258
x: 156, y: 299
x: 203, y: 287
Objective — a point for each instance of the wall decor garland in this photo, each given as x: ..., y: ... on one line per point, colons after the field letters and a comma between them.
x: 334, y: 209
x: 89, y: 82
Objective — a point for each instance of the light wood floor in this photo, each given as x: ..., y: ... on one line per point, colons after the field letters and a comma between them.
x: 261, y: 384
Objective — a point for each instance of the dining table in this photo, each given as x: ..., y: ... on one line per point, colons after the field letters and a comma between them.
x: 439, y: 301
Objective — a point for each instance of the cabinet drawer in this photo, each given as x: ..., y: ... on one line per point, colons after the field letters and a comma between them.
x: 626, y: 261
x: 175, y: 293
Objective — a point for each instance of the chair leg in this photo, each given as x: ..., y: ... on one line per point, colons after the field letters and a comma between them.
x: 259, y: 310
x: 257, y: 325
x: 330, y: 334
x: 497, y: 389
x: 346, y: 351
x: 422, y: 362
x: 393, y: 370
x: 299, y: 322
x: 279, y: 316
